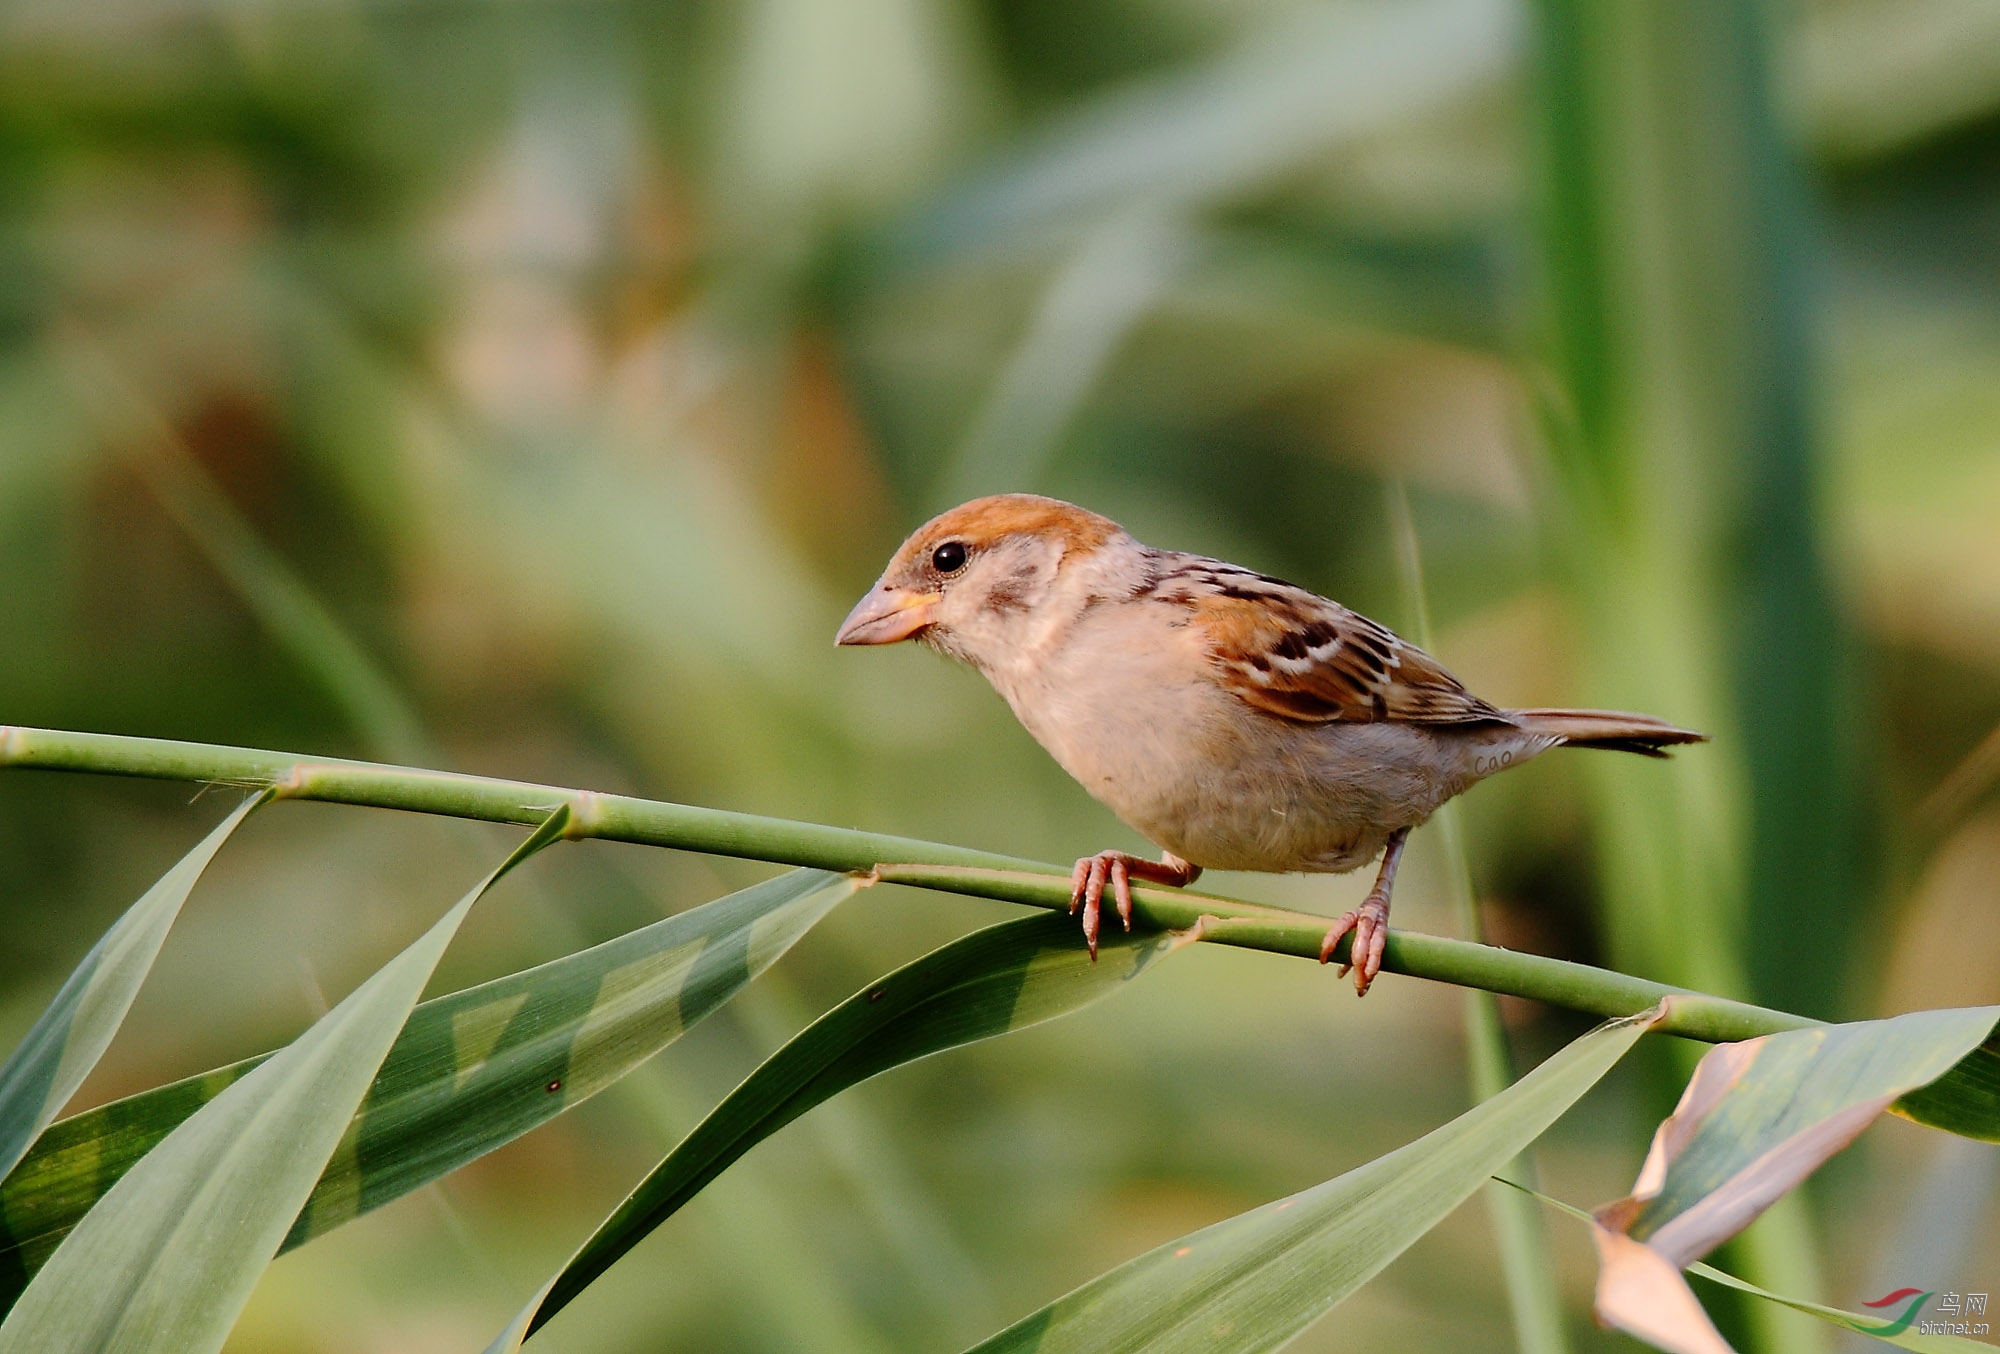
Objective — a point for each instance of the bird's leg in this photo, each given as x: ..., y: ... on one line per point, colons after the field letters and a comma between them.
x: 1369, y: 922
x: 1087, y: 882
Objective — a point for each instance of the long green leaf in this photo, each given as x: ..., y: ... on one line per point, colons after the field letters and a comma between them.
x: 1891, y: 1332
x: 1253, y: 1282
x: 167, y: 1259
x: 1003, y: 978
x: 471, y: 1070
x: 58, y: 1053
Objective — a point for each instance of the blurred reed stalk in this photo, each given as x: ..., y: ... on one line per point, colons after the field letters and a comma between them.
x: 1534, y: 1298
x: 1682, y: 510
x: 289, y: 611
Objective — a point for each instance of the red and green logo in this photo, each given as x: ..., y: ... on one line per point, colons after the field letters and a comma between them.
x: 1914, y: 1297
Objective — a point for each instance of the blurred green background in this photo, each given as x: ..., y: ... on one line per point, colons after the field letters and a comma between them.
x: 527, y: 386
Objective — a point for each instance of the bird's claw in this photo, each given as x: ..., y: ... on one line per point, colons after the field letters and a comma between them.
x: 1370, y: 925
x: 1092, y: 873
x: 1086, y: 884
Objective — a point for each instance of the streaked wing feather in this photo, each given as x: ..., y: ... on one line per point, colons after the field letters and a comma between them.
x: 1298, y: 656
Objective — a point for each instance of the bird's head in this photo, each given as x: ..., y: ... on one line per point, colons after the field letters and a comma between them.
x: 974, y: 581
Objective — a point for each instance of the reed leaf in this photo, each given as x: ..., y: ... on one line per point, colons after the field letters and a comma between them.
x: 1004, y: 978
x: 1889, y: 1331
x: 1757, y: 1118
x: 1252, y: 1283
x: 470, y: 1072
x: 169, y: 1256
x: 65, y: 1043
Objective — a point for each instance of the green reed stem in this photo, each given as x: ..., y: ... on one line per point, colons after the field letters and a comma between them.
x: 901, y: 860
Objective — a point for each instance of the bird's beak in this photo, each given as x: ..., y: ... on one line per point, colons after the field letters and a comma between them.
x: 886, y: 615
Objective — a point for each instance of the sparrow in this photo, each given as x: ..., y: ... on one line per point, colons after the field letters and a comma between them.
x: 1235, y: 720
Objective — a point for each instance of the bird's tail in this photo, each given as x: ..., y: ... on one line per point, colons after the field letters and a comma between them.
x: 1612, y: 729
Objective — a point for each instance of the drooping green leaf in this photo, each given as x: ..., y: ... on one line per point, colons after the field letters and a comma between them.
x: 471, y: 1071
x: 1255, y: 1281
x: 1003, y: 978
x: 166, y: 1260
x: 1760, y: 1115
x: 1899, y: 1329
x: 1757, y: 1118
x: 62, y: 1047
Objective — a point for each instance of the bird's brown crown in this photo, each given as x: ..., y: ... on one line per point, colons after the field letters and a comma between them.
x: 985, y: 522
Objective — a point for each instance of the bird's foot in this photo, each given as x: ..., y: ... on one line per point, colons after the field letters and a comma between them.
x: 1370, y: 924
x: 1118, y: 869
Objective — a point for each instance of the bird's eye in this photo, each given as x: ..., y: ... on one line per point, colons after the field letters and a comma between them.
x: 948, y: 558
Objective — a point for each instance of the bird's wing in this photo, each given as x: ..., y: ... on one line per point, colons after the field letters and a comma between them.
x: 1295, y: 655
